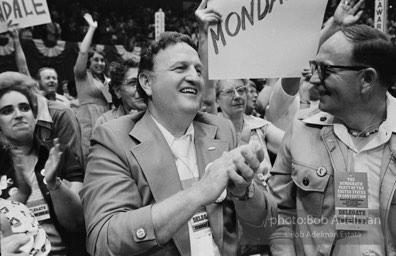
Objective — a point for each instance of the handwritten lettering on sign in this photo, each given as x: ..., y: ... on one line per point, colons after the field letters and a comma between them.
x: 263, y: 38
x: 23, y: 13
x: 256, y: 10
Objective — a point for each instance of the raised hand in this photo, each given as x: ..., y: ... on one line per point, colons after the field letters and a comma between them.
x: 52, y: 163
x: 206, y: 15
x: 347, y: 12
x: 90, y: 21
x: 21, y: 167
x: 14, y: 31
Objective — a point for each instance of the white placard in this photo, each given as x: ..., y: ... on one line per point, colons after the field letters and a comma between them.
x: 264, y: 38
x: 23, y: 13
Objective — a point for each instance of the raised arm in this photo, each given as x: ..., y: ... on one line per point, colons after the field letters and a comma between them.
x: 80, y: 69
x: 205, y: 16
x: 264, y: 95
x: 346, y: 14
x: 64, y: 195
x: 20, y: 58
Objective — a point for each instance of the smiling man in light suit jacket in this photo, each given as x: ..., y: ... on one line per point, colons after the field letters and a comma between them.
x: 158, y: 182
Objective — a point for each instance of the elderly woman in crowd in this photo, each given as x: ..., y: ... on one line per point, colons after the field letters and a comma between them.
x: 231, y: 96
x: 37, y: 172
x: 91, y: 84
x: 123, y: 74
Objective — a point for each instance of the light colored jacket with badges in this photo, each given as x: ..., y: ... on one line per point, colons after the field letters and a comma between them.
x: 131, y: 167
x: 302, y: 183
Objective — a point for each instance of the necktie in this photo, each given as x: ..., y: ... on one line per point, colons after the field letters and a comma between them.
x: 201, y: 240
x: 187, y: 171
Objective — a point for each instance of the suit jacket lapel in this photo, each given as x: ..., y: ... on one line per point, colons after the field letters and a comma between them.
x: 209, y: 149
x: 158, y: 165
x: 155, y: 158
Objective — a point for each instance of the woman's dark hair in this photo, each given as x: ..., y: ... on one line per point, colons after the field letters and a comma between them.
x: 118, y: 71
x: 373, y: 48
x: 147, y: 57
x: 91, y: 53
x: 14, y: 81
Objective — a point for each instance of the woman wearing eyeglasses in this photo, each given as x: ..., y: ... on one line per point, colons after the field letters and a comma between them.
x: 231, y: 96
x: 126, y: 98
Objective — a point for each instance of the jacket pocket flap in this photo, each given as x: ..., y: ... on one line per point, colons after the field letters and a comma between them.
x: 309, y: 178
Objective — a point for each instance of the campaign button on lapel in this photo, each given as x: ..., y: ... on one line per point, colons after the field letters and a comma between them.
x: 140, y: 233
x: 321, y: 171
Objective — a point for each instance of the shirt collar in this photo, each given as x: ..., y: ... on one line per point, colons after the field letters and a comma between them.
x: 169, y: 137
x: 390, y: 122
x: 323, y: 118
x: 253, y: 122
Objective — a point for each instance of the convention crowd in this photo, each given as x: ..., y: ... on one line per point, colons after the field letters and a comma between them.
x: 146, y: 155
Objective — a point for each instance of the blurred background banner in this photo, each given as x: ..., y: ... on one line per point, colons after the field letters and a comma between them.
x: 381, y: 15
x: 159, y: 23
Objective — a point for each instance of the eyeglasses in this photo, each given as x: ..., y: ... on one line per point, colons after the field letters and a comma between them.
x: 231, y: 92
x: 321, y: 68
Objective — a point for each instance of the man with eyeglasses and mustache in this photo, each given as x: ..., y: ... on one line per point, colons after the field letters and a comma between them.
x: 335, y: 175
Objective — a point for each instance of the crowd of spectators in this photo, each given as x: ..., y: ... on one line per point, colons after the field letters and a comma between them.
x: 118, y: 25
x: 129, y: 24
x: 185, y: 165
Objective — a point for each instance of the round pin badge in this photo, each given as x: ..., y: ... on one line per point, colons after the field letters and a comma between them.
x: 321, y: 171
x: 140, y: 233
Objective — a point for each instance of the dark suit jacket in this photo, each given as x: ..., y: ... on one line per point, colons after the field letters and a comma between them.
x: 130, y: 167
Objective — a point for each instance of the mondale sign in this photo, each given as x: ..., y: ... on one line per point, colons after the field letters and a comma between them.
x: 23, y: 13
x: 264, y: 38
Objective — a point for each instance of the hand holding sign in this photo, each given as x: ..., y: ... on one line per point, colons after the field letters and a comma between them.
x: 90, y: 21
x: 206, y: 15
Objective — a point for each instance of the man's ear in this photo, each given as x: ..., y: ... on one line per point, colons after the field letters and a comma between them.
x: 145, y: 80
x: 369, y: 80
